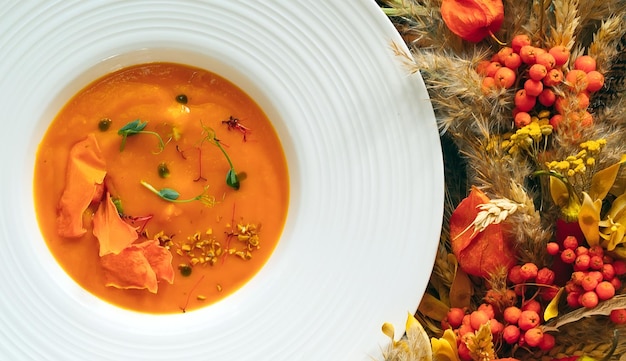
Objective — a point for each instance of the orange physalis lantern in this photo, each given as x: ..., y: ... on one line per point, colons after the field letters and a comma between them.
x: 479, y: 253
x: 473, y: 20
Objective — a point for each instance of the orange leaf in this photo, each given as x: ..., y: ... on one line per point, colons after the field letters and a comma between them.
x: 473, y: 20
x: 479, y: 253
x: 112, y: 232
x: 84, y: 177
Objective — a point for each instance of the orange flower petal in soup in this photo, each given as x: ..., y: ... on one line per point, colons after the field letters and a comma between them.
x: 113, y: 234
x: 84, y: 177
x: 160, y: 259
x: 478, y: 253
x: 129, y: 269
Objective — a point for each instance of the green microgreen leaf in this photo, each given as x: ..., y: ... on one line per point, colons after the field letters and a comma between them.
x: 231, y: 179
x: 137, y: 127
x: 171, y: 195
x: 231, y: 176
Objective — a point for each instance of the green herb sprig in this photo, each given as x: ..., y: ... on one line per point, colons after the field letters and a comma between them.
x: 232, y: 180
x: 137, y: 127
x: 171, y: 195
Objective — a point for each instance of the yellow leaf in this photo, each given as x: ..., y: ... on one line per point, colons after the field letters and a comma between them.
x: 589, y: 219
x: 444, y: 349
x: 617, y: 207
x: 615, y: 233
x: 603, y: 180
x: 412, y: 323
x: 417, y: 339
x: 389, y: 330
x: 433, y: 308
x: 552, y: 310
x: 460, y: 290
x: 559, y: 192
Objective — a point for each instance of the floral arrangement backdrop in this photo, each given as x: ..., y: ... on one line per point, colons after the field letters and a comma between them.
x: 529, y: 96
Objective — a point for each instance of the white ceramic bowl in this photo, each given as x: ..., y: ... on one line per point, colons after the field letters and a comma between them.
x: 364, y: 163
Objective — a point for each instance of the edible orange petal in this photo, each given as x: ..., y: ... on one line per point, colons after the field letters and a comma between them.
x: 160, y: 259
x: 139, y: 266
x: 129, y: 269
x: 85, y: 173
x: 112, y: 232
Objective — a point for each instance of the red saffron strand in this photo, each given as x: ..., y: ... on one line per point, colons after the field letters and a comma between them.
x: 184, y: 308
x: 200, y: 177
x: 229, y: 235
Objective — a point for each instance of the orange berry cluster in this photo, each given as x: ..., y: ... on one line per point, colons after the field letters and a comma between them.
x: 546, y: 80
x: 595, y: 276
x: 512, y: 320
x: 516, y: 315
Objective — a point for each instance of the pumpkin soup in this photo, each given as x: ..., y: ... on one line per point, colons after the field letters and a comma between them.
x: 161, y: 188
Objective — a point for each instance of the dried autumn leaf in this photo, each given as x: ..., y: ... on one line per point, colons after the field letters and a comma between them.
x: 84, y: 177
x: 461, y: 290
x: 109, y: 228
x: 479, y: 253
x: 473, y: 20
x: 433, y: 308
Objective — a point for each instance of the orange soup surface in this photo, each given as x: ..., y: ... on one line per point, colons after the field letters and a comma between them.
x: 161, y: 188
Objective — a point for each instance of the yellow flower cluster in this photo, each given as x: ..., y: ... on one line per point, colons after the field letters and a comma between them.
x: 577, y: 164
x: 529, y: 137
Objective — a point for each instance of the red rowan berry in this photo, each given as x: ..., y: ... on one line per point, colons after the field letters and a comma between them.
x: 605, y: 290
x: 618, y: 316
x: 595, y: 81
x: 519, y: 41
x: 570, y: 242
x: 560, y: 54
x: 547, y: 97
x: 533, y: 337
x: 545, y: 276
x: 585, y: 63
x: 547, y: 343
x: 511, y: 314
x: 455, y: 316
x: 528, y: 319
x: 620, y: 267
x: 478, y: 318
x: 568, y: 255
x: 511, y: 334
x: 528, y: 271
x: 589, y: 299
